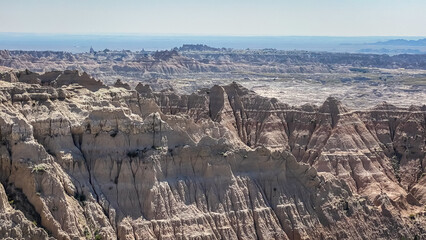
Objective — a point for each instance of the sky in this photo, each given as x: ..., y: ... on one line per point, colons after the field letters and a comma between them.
x: 216, y: 17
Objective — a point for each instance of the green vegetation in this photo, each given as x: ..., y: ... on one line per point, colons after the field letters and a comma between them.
x: 87, y: 233
x: 97, y: 235
x: 224, y: 154
x: 395, y: 166
x: 40, y: 168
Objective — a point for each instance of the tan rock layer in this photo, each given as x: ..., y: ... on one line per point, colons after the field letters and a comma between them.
x: 366, y: 148
x: 110, y: 164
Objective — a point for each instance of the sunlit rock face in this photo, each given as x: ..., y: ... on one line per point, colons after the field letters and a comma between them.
x: 103, y: 162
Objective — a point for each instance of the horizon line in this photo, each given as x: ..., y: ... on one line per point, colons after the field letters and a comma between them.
x: 198, y: 35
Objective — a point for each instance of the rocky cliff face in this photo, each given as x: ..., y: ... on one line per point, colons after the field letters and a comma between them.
x: 387, y: 137
x: 222, y: 163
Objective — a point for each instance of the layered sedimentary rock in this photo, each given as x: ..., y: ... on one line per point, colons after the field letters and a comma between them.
x: 294, y: 77
x: 14, y: 224
x: 387, y: 137
x: 222, y: 163
x: 203, y: 59
x: 55, y: 79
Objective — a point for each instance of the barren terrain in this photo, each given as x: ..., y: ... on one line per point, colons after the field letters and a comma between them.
x: 202, y: 143
x: 295, y: 77
x: 82, y: 160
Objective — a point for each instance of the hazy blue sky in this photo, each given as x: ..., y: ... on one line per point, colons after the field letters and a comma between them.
x: 217, y: 17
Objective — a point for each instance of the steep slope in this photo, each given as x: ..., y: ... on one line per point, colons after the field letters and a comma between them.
x: 374, y: 151
x: 223, y: 163
x: 14, y: 224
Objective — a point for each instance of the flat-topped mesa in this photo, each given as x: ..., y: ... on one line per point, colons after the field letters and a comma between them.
x: 197, y: 47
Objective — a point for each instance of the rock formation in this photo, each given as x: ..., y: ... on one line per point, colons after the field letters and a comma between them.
x: 121, y: 84
x: 89, y: 161
x: 360, y: 80
x: 386, y: 137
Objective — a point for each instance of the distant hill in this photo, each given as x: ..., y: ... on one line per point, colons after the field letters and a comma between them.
x: 403, y: 42
x: 390, y: 51
x: 197, y: 47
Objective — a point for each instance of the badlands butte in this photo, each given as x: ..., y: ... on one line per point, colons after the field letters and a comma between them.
x: 82, y: 158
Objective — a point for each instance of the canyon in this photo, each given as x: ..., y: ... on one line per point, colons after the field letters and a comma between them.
x: 82, y: 158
